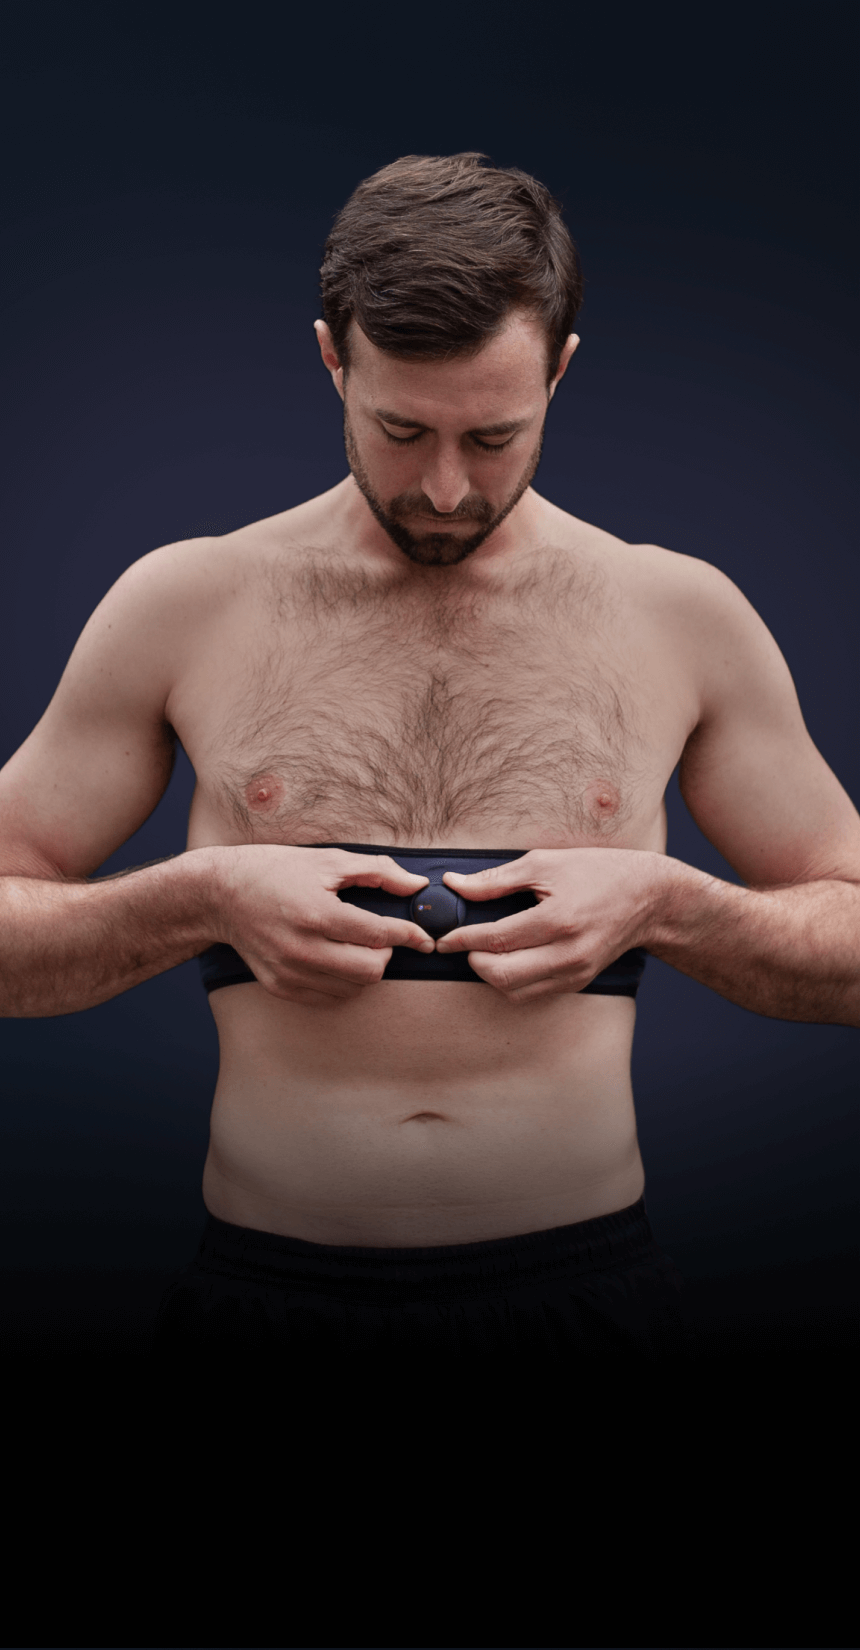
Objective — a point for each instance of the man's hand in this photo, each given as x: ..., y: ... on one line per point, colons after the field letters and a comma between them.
x: 595, y: 904
x: 278, y: 907
x: 789, y: 952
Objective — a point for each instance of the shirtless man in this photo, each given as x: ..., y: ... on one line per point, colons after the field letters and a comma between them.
x: 423, y: 1132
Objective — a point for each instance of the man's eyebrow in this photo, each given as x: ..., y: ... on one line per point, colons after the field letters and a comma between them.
x: 506, y: 427
x: 400, y: 422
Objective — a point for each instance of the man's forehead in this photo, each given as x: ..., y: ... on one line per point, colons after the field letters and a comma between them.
x: 510, y: 367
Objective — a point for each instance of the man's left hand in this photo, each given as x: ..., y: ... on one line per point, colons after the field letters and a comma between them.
x: 594, y: 904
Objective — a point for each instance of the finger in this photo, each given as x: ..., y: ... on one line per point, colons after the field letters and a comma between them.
x: 377, y: 871
x: 309, y: 998
x: 303, y: 983
x: 520, y: 932
x: 529, y: 968
x: 350, y: 925
x: 318, y: 999
x: 361, y: 964
x: 310, y: 995
x: 496, y: 881
x: 541, y: 988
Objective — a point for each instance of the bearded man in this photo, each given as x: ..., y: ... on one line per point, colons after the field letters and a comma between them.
x: 432, y: 719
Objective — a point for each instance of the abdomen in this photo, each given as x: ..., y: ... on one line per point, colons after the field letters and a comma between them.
x: 420, y: 1114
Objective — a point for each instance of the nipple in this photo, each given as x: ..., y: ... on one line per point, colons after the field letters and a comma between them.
x: 264, y: 793
x: 603, y: 799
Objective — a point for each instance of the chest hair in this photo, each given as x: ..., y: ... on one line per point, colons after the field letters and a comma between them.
x: 418, y: 713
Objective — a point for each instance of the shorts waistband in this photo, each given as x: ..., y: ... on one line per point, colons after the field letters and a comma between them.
x: 607, y: 1243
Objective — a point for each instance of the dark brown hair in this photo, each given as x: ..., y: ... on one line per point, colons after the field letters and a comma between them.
x: 431, y: 253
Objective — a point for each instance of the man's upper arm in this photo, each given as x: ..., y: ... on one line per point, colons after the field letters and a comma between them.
x: 100, y: 758
x: 750, y: 775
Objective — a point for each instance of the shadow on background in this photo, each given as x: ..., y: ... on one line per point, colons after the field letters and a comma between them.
x: 164, y: 212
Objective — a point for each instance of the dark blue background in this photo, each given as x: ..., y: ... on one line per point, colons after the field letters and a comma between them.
x: 168, y: 180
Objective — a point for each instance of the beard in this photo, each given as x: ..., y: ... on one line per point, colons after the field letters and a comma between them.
x: 439, y: 549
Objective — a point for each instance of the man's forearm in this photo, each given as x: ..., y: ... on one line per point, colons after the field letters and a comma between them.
x: 791, y: 953
x: 65, y: 946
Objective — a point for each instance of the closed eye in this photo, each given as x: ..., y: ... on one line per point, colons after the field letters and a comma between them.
x: 492, y: 446
x: 402, y: 440
x: 485, y: 446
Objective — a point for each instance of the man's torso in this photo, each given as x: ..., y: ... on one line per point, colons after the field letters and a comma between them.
x: 544, y: 704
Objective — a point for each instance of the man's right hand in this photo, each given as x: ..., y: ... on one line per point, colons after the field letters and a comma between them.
x: 279, y: 908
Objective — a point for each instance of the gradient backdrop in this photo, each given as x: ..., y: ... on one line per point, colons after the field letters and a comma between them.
x: 169, y: 178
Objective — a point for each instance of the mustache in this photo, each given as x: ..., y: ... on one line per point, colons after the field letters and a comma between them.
x: 472, y: 508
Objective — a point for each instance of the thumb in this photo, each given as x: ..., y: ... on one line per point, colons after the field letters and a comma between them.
x: 378, y: 871
x: 492, y: 883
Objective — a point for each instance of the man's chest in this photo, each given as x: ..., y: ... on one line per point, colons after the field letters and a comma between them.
x: 382, y: 723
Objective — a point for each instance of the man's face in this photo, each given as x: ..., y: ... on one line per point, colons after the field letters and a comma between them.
x: 443, y: 450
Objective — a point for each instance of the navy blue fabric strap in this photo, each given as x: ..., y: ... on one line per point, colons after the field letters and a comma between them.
x: 221, y: 965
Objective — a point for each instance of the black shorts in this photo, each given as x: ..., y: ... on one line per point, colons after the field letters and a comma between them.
x: 599, y: 1291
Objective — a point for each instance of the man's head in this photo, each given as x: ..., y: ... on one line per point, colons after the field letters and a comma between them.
x: 449, y: 292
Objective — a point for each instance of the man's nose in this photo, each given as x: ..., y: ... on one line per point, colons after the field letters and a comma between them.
x: 446, y: 481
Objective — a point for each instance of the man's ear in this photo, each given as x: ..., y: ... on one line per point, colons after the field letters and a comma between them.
x: 329, y: 355
x: 566, y: 355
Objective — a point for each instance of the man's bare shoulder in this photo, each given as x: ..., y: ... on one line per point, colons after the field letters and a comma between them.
x: 679, y: 608
x: 191, y: 579
x: 678, y: 589
x: 706, y: 613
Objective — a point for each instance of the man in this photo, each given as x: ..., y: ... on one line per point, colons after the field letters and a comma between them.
x: 432, y: 719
